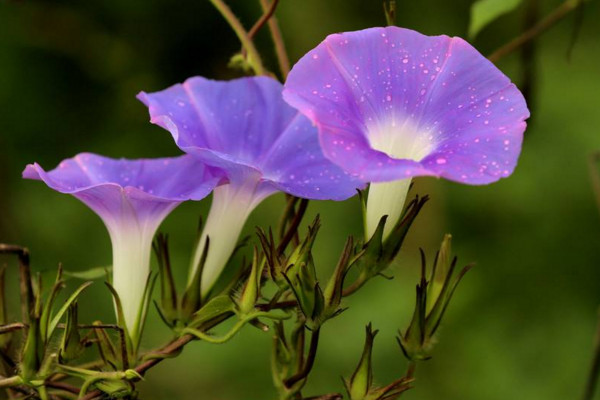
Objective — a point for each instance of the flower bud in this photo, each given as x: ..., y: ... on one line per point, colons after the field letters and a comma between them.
x: 70, y: 346
x: 433, y: 297
x: 251, y: 290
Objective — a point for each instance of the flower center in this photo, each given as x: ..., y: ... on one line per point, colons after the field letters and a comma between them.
x: 400, y: 139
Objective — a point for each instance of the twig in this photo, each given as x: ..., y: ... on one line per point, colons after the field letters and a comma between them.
x: 410, y: 370
x: 555, y: 16
x: 24, y: 277
x: 170, y: 348
x: 253, y: 58
x: 293, y: 228
x: 267, y: 14
x: 10, y: 382
x: 282, y: 57
x: 15, y: 326
x: 62, y: 386
x: 310, y: 360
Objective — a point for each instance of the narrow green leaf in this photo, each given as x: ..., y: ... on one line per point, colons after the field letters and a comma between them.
x: 65, y: 307
x: 216, y: 307
x: 485, y: 11
x: 143, y: 311
x: 89, y: 274
x: 47, y: 310
x: 119, y: 307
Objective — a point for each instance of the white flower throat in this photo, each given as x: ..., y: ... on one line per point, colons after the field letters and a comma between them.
x: 400, y: 140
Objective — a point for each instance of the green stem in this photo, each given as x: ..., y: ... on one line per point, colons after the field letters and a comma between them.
x: 253, y: 58
x: 234, y: 330
x: 410, y: 370
x: 10, y: 382
x: 280, y: 51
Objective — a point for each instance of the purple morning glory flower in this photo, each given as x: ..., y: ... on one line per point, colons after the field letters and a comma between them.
x: 392, y: 104
x: 132, y: 197
x: 244, y: 128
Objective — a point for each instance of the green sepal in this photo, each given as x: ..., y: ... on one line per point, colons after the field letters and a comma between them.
x: 61, y: 312
x: 168, y: 293
x: 250, y: 292
x: 275, y: 262
x: 33, y: 349
x: 368, y: 259
x: 335, y: 287
x: 303, y: 283
x: 359, y: 384
x: 47, y: 309
x: 437, y: 312
x: 302, y: 254
x: 106, y: 349
x: 376, y: 254
x: 439, y: 272
x: 70, y: 346
x: 192, y: 297
x: 431, y: 303
x: 218, y: 307
x: 140, y: 321
x: 129, y: 344
x: 396, y: 238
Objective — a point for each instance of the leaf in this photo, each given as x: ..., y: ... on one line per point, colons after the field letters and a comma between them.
x: 65, y: 307
x: 215, y: 308
x: 89, y: 274
x: 485, y: 11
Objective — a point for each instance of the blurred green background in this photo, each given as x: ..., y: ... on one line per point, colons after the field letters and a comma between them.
x: 521, y: 325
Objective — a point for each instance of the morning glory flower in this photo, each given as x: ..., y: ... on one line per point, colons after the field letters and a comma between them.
x: 392, y: 104
x: 132, y: 197
x: 244, y: 128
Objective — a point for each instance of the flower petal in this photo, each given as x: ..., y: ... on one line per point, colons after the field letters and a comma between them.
x: 296, y: 165
x: 132, y: 197
x: 245, y: 128
x: 391, y: 103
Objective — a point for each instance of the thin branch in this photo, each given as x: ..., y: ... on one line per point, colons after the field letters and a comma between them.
x: 268, y: 13
x: 10, y: 382
x: 15, y: 326
x: 62, y: 386
x: 293, y: 227
x: 171, y: 348
x: 253, y: 58
x: 24, y: 277
x: 310, y: 360
x: 555, y: 16
x: 282, y: 56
